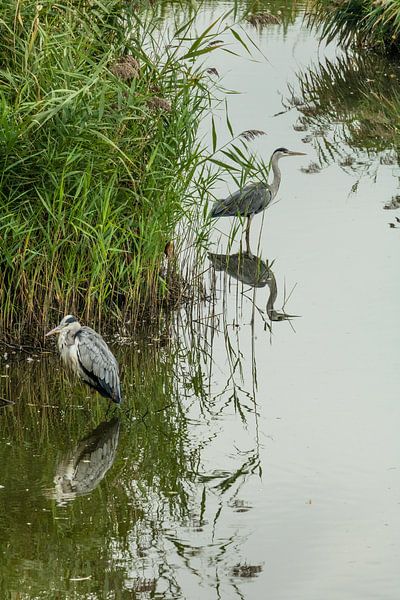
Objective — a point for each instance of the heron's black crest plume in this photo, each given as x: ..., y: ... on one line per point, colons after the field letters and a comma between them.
x: 281, y: 150
x: 71, y: 319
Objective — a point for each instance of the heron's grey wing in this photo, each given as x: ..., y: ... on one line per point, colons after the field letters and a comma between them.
x: 261, y: 198
x: 98, y: 364
x: 251, y: 199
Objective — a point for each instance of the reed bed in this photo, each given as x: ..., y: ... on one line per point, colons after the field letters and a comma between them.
x: 98, y: 150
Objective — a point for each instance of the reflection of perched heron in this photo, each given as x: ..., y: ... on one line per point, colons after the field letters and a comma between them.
x: 251, y: 270
x: 85, y: 353
x: 243, y: 266
x: 85, y: 466
x: 254, y: 197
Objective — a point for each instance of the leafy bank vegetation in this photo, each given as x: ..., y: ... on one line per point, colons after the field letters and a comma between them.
x: 98, y: 121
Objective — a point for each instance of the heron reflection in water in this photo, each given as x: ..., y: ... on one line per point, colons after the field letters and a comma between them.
x: 82, y: 469
x: 251, y: 270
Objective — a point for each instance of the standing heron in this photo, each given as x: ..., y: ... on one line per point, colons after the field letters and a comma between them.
x: 254, y: 197
x: 85, y: 353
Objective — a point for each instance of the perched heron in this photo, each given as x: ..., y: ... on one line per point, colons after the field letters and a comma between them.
x: 254, y: 197
x: 86, y: 354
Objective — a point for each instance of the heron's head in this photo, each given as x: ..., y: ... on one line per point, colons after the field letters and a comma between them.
x: 68, y: 322
x: 281, y: 152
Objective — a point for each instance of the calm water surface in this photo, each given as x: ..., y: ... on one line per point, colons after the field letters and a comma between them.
x: 261, y: 455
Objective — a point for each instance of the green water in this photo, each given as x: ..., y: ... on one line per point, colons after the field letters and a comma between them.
x: 256, y: 455
x: 88, y: 494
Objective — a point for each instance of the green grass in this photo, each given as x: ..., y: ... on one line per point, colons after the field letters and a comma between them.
x: 95, y: 170
x: 100, y: 160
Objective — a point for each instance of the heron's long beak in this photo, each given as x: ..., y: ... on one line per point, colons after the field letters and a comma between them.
x: 297, y: 153
x: 54, y: 331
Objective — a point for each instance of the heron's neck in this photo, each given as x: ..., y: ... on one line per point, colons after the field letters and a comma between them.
x: 276, y: 180
x: 67, y: 337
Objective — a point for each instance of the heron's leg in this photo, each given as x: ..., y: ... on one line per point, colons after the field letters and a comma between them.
x: 249, y: 218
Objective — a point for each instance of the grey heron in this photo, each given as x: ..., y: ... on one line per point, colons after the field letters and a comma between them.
x: 254, y: 197
x: 87, y: 355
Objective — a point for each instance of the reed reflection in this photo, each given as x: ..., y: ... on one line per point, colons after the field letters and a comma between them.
x: 349, y: 111
x: 83, y: 468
